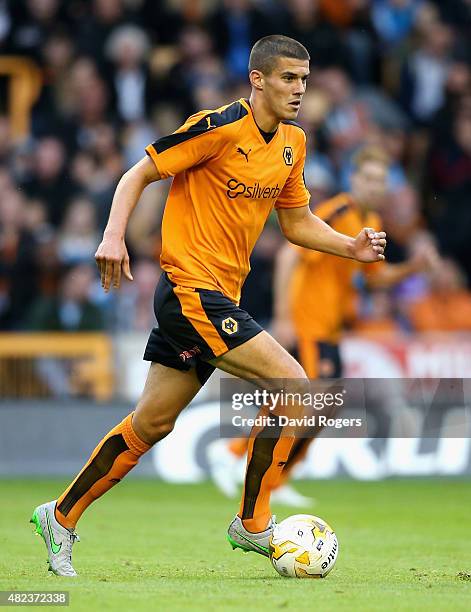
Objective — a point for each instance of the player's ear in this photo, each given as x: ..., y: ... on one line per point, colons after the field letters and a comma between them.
x: 256, y: 79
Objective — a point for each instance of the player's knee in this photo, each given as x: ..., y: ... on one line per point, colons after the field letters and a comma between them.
x: 157, y: 430
x: 296, y: 378
x: 301, y: 374
x: 299, y: 385
x: 152, y: 427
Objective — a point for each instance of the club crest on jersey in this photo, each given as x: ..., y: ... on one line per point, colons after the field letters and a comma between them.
x: 288, y: 156
x: 230, y: 326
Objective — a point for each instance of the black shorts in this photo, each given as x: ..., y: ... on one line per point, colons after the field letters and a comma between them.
x: 194, y: 326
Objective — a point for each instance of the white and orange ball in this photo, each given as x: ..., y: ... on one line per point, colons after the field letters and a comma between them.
x: 303, y: 546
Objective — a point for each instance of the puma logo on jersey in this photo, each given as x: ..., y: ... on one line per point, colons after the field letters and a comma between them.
x: 242, y: 152
x: 208, y: 121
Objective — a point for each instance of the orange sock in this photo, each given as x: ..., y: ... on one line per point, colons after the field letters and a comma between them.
x: 239, y: 446
x: 116, y: 454
x: 265, y: 462
x: 297, y: 454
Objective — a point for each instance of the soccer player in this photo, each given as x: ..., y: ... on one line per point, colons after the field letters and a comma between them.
x: 230, y: 166
x: 313, y: 294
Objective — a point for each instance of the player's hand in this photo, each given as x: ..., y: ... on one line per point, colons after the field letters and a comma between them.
x: 283, y: 331
x: 112, y: 258
x: 369, y: 245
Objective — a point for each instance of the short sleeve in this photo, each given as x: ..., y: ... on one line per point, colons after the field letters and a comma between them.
x: 294, y: 193
x: 195, y: 142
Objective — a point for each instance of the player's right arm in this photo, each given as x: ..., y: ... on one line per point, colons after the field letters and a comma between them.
x: 195, y: 142
x: 112, y: 255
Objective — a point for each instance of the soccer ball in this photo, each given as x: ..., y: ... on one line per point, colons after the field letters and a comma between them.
x: 303, y: 546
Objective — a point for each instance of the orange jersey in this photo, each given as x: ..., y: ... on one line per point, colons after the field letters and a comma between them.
x: 322, y: 285
x: 227, y: 181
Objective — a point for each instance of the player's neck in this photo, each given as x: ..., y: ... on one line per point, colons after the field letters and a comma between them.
x: 264, y: 117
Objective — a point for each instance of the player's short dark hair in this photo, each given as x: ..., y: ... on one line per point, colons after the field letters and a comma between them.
x: 266, y: 51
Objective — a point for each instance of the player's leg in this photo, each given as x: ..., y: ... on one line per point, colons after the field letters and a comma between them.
x: 309, y: 356
x: 264, y: 359
x: 319, y: 360
x: 224, y: 455
x: 166, y: 393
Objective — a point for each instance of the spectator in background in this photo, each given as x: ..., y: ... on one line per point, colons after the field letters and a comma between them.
x: 313, y: 112
x: 449, y: 181
x: 132, y: 304
x: 455, y: 12
x: 400, y: 213
x: 425, y: 73
x: 46, y: 257
x: 458, y: 85
x: 6, y: 181
x: 50, y: 181
x: 95, y: 25
x: 394, y: 19
x: 94, y: 183
x: 35, y: 220
x: 356, y: 115
x: 305, y: 23
x: 49, y: 113
x: 18, y: 268
x: 163, y: 20
x: 71, y: 309
x: 198, y: 72
x: 93, y: 110
x: 319, y: 177
x: 6, y: 145
x: 33, y: 22
x: 353, y: 19
x: 447, y: 304
x: 127, y: 48
x: 78, y: 234
x: 104, y: 146
x: 5, y: 24
x: 377, y: 315
x: 235, y: 26
x: 348, y: 120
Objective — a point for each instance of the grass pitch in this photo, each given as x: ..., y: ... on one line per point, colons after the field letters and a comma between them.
x: 404, y: 545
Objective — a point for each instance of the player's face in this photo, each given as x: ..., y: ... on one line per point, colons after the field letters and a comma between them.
x: 369, y: 183
x: 284, y: 87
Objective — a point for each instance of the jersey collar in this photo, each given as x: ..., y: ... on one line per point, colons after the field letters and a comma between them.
x: 246, y: 104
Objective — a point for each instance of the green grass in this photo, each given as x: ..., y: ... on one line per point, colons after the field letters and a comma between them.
x: 404, y: 545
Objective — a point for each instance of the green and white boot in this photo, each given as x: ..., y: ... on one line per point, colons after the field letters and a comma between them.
x: 58, y: 539
x: 239, y: 537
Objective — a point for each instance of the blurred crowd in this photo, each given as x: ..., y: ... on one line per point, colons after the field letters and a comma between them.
x: 115, y: 74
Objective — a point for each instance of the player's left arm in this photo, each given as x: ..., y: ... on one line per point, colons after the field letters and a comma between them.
x: 300, y: 226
